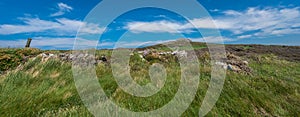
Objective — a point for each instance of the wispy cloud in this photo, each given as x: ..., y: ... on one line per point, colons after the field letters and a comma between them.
x: 244, y: 36
x: 31, y: 25
x: 214, y: 10
x: 265, y: 21
x: 48, y: 42
x: 212, y: 39
x: 124, y: 44
x: 62, y: 8
x: 255, y: 20
x: 61, y: 26
x: 12, y: 43
x: 156, y: 26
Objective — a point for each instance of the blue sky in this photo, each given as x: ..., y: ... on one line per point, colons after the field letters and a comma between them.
x: 53, y: 24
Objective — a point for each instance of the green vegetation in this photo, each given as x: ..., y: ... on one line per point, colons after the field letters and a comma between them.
x: 11, y: 58
x: 47, y: 88
x: 247, y: 47
x: 195, y: 45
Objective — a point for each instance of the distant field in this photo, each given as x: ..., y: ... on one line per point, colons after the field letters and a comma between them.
x: 46, y: 88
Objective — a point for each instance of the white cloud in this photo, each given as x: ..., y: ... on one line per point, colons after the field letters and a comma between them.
x: 61, y: 26
x: 12, y: 43
x: 56, y: 42
x: 261, y: 21
x: 40, y: 42
x: 124, y: 44
x: 212, y: 39
x: 48, y: 42
x: 61, y: 9
x: 244, y: 36
x: 72, y: 26
x: 286, y: 31
x: 156, y: 26
x: 31, y: 25
x: 232, y: 12
x: 171, y: 27
x: 208, y: 23
x: 214, y: 10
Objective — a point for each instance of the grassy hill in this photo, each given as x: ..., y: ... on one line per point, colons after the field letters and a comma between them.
x: 33, y: 87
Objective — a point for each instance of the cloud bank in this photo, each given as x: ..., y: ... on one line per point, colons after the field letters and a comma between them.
x: 61, y: 26
x: 255, y: 20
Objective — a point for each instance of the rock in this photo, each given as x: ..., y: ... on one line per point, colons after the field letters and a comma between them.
x: 103, y: 58
x: 140, y: 52
x: 99, y: 61
x: 182, y: 53
x: 80, y: 56
x: 64, y: 58
x: 82, y: 59
x: 94, y: 62
x: 25, y: 58
x: 174, y: 52
x: 62, y: 55
x: 86, y: 55
x: 229, y: 67
x: 142, y: 57
x: 161, y: 53
x: 233, y: 68
x: 71, y: 57
x: 44, y: 55
x: 51, y: 55
x: 146, y: 52
x: 245, y: 62
x: 237, y: 64
x: 223, y: 65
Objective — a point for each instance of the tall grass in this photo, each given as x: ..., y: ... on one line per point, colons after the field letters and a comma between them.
x: 47, y: 89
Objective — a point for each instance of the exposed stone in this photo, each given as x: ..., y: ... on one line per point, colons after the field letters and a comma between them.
x: 103, y: 58
x: 79, y: 58
x: 223, y: 65
x: 237, y: 64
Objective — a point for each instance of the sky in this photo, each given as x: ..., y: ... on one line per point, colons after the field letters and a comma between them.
x: 53, y: 24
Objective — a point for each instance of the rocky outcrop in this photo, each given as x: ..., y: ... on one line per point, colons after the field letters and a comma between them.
x: 75, y: 58
x: 235, y: 63
x: 232, y: 63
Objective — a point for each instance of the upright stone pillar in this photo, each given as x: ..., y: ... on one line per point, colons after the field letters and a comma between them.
x: 28, y: 43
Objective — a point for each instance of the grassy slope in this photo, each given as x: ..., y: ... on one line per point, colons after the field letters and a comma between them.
x: 11, y: 58
x: 47, y: 89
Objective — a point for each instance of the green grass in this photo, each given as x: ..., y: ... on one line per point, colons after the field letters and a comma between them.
x: 195, y: 46
x: 48, y: 89
x: 42, y: 89
x: 11, y: 58
x: 246, y: 47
